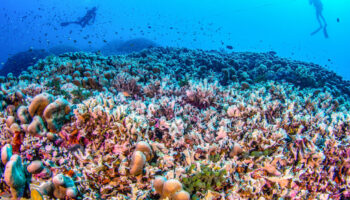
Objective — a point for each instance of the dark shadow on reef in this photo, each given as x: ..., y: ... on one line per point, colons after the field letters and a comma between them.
x: 129, y: 46
x: 58, y: 50
x: 21, y: 61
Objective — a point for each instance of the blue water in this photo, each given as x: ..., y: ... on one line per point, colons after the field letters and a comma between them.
x: 283, y: 26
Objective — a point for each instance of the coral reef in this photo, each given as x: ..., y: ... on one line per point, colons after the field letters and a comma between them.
x: 60, y: 187
x: 174, y: 123
x: 170, y: 189
x: 16, y: 177
x: 56, y: 113
x: 204, y: 179
x: 22, y: 60
x: 61, y: 49
x: 129, y: 46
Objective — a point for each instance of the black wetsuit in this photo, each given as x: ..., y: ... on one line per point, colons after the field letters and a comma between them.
x: 320, y: 18
x: 88, y: 19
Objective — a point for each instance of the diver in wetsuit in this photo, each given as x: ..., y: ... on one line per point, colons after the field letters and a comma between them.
x: 320, y: 18
x: 88, y: 19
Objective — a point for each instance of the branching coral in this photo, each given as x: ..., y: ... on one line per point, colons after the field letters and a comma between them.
x: 127, y: 84
x: 202, y: 94
x: 204, y: 179
x: 198, y: 118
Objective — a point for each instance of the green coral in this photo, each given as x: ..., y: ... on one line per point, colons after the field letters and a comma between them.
x: 183, y: 82
x: 80, y: 95
x: 203, y: 180
x: 215, y: 158
x: 266, y: 152
x: 54, y: 86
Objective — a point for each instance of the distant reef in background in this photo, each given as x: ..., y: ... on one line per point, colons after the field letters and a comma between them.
x: 60, y: 49
x: 246, y: 67
x: 124, y: 47
x: 22, y: 60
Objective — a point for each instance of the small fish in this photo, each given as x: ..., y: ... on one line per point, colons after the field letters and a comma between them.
x: 126, y: 94
x: 229, y: 47
x: 338, y: 20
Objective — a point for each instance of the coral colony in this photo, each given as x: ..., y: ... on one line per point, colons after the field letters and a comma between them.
x: 176, y: 124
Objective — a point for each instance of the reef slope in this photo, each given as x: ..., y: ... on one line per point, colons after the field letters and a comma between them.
x: 177, y: 123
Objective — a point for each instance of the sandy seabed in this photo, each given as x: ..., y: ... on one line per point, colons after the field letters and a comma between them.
x: 177, y: 124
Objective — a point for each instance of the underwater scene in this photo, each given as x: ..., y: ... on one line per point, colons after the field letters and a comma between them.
x: 174, y: 100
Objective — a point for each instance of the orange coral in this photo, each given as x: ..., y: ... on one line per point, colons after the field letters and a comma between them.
x: 17, y: 142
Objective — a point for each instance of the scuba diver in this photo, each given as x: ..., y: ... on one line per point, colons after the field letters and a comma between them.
x: 88, y: 19
x: 320, y: 18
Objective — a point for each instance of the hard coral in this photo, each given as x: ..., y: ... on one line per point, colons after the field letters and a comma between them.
x: 37, y: 127
x: 204, y: 179
x: 17, y: 178
x: 23, y: 115
x: 181, y: 195
x: 145, y: 148
x: 158, y: 184
x: 60, y: 187
x: 6, y: 153
x: 170, y: 189
x: 56, y: 114
x: 127, y: 84
x: 39, y: 103
x: 138, y: 161
x: 143, y: 153
x: 202, y: 94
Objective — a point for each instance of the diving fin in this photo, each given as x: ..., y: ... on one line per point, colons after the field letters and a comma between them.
x: 325, y: 33
x: 316, y: 31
